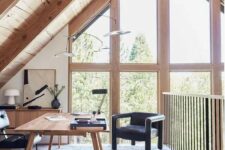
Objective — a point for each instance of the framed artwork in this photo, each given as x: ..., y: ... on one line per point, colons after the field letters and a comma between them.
x: 36, y: 82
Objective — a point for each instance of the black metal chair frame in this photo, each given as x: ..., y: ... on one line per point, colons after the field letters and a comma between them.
x: 153, y: 120
x: 22, y: 139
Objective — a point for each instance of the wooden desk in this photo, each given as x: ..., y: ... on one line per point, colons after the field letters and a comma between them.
x: 45, y: 127
x: 21, y: 116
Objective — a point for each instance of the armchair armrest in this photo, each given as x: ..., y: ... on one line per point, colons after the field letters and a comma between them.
x: 153, y: 119
x: 119, y: 116
x: 156, y: 118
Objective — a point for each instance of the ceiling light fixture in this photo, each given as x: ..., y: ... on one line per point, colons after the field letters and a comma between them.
x: 115, y: 32
x: 66, y: 52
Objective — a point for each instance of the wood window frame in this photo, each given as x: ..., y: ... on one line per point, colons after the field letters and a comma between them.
x: 163, y: 66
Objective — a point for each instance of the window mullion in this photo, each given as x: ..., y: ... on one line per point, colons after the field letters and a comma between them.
x: 215, y: 42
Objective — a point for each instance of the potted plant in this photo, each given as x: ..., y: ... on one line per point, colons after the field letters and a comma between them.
x: 55, y: 91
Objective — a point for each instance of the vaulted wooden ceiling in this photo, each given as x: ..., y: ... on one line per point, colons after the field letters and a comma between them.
x: 26, y: 26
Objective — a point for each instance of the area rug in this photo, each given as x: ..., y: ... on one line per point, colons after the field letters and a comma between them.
x: 105, y: 147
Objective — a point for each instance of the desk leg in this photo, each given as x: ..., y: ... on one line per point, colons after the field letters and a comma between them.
x: 99, y: 141
x: 50, y: 142
x: 59, y: 141
x: 94, y: 140
x: 30, y: 141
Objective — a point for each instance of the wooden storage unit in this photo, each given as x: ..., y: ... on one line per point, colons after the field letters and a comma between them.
x: 25, y: 115
x: 21, y: 116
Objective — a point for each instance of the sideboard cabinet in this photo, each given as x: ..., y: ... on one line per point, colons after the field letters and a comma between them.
x: 21, y: 116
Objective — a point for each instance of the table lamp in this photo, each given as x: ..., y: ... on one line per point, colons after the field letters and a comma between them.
x: 100, y: 91
x: 11, y: 93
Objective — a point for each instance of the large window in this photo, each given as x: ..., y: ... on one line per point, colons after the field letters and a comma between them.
x: 139, y: 17
x: 131, y: 66
x: 189, y: 31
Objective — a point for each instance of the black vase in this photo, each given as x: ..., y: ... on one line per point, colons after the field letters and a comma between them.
x: 55, y: 103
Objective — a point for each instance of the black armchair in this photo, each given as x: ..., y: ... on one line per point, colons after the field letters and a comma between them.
x: 142, y: 127
x: 8, y: 141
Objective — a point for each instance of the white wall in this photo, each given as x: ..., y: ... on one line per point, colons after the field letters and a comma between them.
x: 45, y: 60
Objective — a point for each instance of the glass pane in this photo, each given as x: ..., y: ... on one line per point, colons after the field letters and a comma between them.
x: 84, y: 101
x: 139, y: 17
x: 190, y: 82
x: 138, y: 92
x: 92, y: 46
x: 189, y: 31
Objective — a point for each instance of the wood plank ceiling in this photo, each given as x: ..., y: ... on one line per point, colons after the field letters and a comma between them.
x: 26, y: 26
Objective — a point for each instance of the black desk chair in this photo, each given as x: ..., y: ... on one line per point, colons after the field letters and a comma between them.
x: 142, y: 127
x: 8, y: 141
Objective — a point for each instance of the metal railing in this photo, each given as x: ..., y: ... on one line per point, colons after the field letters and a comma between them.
x: 194, y: 122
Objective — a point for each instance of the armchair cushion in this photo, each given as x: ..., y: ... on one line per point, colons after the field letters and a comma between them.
x: 18, y: 141
x: 15, y: 141
x: 143, y: 126
x: 135, y: 132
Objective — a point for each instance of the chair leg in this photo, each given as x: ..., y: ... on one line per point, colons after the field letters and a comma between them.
x: 132, y: 142
x: 160, y: 143
x: 114, y: 143
x: 148, y: 144
x: 160, y: 136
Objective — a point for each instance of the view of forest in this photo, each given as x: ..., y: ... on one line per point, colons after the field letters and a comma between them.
x: 138, y: 90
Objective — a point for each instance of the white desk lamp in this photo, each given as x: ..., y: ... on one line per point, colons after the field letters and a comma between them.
x: 11, y: 93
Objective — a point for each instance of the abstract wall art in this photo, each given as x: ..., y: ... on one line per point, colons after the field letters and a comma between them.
x: 36, y: 82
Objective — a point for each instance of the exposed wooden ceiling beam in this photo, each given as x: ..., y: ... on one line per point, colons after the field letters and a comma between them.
x: 79, y: 22
x: 36, y: 24
x: 5, y: 6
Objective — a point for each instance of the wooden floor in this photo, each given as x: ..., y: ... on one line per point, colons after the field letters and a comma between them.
x: 105, y: 147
